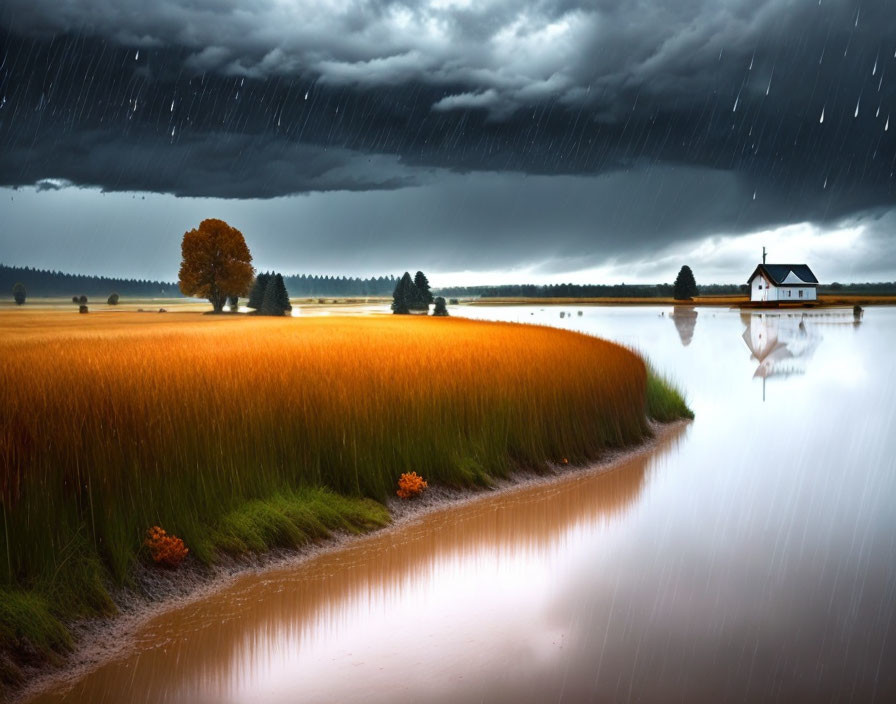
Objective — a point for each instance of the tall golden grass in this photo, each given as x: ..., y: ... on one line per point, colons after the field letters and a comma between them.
x: 115, y: 423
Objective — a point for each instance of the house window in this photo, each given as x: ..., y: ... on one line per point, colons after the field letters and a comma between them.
x: 801, y: 293
x: 789, y: 292
x: 760, y: 287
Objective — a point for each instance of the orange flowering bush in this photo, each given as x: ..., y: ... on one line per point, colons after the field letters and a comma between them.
x: 410, y: 484
x: 167, y: 550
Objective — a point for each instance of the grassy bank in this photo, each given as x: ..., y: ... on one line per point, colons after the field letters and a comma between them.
x: 239, y: 434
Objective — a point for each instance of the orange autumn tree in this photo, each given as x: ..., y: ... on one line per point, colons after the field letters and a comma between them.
x: 216, y: 263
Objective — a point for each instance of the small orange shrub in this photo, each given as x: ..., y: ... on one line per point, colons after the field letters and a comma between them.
x: 410, y: 484
x: 168, y: 550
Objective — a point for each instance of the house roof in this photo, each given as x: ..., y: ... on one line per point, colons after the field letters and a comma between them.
x: 786, y: 274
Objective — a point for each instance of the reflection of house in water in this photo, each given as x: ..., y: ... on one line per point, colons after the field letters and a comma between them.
x: 782, y: 344
x: 685, y: 319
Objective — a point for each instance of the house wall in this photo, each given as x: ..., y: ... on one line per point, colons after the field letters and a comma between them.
x: 792, y: 293
x: 755, y: 291
x: 768, y: 292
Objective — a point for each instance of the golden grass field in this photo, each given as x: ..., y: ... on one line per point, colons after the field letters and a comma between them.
x: 113, y: 423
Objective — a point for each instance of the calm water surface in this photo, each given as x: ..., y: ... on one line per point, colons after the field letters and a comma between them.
x: 751, y: 557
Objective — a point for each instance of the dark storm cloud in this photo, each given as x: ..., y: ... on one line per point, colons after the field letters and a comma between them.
x: 228, y: 165
x: 245, y: 100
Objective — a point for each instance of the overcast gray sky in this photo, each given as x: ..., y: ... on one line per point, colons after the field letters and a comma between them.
x: 520, y: 141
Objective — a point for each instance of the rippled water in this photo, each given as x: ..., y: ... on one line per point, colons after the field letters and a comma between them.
x: 751, y: 557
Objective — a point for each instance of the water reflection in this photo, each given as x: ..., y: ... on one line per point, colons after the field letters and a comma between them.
x: 685, y: 319
x: 288, y: 634
x: 782, y: 344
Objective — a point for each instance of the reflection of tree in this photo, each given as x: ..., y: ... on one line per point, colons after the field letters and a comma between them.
x: 685, y: 319
x: 782, y: 344
x: 211, y: 649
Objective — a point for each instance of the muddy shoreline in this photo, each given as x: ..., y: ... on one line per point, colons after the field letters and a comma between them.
x: 156, y: 591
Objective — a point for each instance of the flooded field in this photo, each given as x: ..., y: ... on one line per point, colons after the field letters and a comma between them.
x: 751, y: 557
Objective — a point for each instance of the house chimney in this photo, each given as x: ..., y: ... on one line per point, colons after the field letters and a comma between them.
x: 763, y: 255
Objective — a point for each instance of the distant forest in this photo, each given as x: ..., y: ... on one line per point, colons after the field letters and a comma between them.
x: 41, y: 283
x: 303, y: 286
x: 633, y: 290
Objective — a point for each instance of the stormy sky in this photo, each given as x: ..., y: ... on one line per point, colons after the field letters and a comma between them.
x: 514, y: 141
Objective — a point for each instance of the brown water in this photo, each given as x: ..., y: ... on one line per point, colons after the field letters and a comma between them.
x: 751, y: 557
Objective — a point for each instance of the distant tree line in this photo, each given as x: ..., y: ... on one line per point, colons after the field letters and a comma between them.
x: 309, y: 286
x: 864, y: 288
x: 637, y: 290
x: 581, y: 290
x: 44, y: 284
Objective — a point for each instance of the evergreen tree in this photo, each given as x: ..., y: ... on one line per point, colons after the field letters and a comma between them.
x: 440, y: 308
x: 422, y: 284
x: 269, y: 302
x: 281, y: 295
x: 275, y: 298
x: 685, y: 287
x: 405, y: 295
x: 256, y: 295
x: 18, y: 293
x: 113, y: 299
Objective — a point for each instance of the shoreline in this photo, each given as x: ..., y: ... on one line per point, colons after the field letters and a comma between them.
x: 102, y: 640
x: 825, y: 301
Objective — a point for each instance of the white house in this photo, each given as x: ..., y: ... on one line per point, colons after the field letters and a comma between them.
x: 786, y: 283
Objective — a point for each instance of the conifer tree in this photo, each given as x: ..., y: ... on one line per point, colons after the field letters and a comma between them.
x: 256, y: 295
x: 282, y: 295
x: 404, y: 296
x: 269, y: 302
x: 422, y: 284
x: 440, y: 308
x: 685, y: 287
x: 18, y: 293
x: 275, y: 297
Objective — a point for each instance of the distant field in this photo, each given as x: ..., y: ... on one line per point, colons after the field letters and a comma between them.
x: 114, y: 423
x: 857, y: 299
x: 152, y: 305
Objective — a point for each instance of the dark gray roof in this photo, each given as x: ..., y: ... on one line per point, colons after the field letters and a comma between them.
x: 776, y: 273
